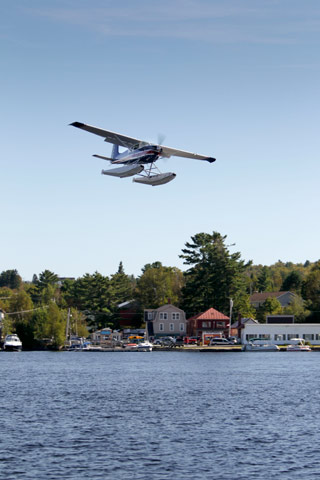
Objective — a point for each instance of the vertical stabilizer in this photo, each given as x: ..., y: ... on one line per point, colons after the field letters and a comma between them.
x: 115, y: 151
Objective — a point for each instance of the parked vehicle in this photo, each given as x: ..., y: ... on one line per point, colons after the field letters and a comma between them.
x: 220, y: 341
x: 191, y: 340
x: 165, y: 341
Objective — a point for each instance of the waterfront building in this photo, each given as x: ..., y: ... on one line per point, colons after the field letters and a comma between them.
x: 281, y: 333
x: 106, y: 336
x: 210, y: 321
x: 165, y: 320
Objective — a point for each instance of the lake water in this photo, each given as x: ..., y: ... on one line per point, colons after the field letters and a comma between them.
x: 159, y: 415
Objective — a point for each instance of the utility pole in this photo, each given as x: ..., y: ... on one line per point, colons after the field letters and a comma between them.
x: 231, y: 305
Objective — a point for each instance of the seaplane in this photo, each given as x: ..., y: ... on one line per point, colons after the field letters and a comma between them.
x: 139, y: 157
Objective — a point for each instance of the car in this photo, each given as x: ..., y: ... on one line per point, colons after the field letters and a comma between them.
x: 191, y: 340
x: 220, y: 341
x: 165, y: 341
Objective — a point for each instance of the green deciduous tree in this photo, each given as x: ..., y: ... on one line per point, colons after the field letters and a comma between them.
x: 297, y: 308
x: 159, y: 285
x: 271, y: 306
x: 55, y: 327
x: 311, y: 291
x: 20, y: 308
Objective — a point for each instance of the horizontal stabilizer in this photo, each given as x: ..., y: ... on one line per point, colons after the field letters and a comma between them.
x: 122, y: 172
x: 155, y: 180
x: 103, y: 158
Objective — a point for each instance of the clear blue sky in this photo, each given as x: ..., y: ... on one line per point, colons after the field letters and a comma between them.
x: 237, y: 80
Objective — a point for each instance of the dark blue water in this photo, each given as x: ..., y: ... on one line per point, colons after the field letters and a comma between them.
x: 159, y: 415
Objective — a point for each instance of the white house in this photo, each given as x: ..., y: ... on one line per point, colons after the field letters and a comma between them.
x: 281, y: 333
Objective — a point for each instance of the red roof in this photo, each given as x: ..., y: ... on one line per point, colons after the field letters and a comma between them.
x: 210, y: 314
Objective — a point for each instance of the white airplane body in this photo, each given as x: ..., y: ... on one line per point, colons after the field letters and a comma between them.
x: 138, y: 153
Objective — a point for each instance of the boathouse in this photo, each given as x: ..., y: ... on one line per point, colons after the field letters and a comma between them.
x: 281, y: 333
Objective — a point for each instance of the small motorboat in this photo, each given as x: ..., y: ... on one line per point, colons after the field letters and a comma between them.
x: 130, y: 347
x: 145, y: 346
x: 298, y: 345
x: 260, y: 347
x: 12, y: 343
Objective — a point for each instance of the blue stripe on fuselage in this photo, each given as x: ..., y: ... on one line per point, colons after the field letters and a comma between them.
x: 146, y: 154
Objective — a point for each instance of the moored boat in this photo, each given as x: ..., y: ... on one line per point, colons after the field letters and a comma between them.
x: 145, y: 346
x: 260, y: 347
x: 298, y: 345
x: 130, y: 347
x: 12, y: 343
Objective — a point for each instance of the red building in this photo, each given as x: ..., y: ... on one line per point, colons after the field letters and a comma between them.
x: 210, y: 321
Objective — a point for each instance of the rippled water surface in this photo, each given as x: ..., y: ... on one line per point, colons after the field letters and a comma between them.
x: 159, y: 415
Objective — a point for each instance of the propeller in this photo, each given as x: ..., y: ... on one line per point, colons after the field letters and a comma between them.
x: 161, y: 138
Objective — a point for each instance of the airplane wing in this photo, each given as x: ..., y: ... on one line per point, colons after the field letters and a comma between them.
x: 129, y: 142
x: 111, y: 137
x: 172, y: 152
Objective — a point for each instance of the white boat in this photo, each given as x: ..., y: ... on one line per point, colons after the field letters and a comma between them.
x: 145, y: 346
x: 12, y: 343
x: 260, y: 347
x: 298, y: 345
x: 130, y: 347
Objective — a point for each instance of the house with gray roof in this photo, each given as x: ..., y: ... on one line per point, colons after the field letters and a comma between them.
x: 285, y: 298
x: 166, y: 320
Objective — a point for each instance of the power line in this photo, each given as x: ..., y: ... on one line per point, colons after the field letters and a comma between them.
x: 26, y: 311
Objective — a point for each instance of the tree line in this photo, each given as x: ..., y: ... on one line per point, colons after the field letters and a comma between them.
x: 37, y: 311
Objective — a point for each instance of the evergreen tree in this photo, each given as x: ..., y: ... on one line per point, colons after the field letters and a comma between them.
x: 293, y: 282
x: 10, y: 279
x: 121, y: 286
x: 264, y: 281
x: 93, y: 293
x: 214, y: 275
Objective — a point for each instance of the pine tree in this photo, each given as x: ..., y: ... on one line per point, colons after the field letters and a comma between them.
x: 214, y: 275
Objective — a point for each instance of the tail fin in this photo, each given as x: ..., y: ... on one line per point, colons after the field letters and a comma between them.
x: 115, y: 151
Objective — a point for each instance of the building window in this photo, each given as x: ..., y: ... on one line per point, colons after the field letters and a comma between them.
x: 249, y: 336
x: 181, y: 327
x: 206, y: 324
x: 171, y: 327
x: 150, y: 315
x: 175, y: 316
x: 220, y: 324
x: 292, y: 335
x: 161, y: 327
x: 308, y: 336
x: 317, y: 336
x: 278, y: 337
x: 265, y: 336
x: 163, y: 316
